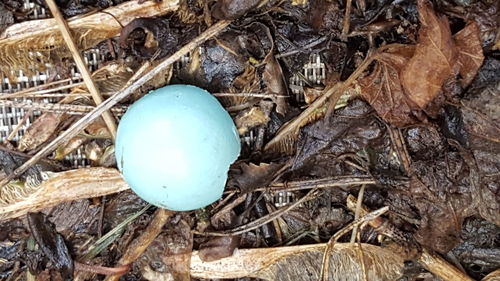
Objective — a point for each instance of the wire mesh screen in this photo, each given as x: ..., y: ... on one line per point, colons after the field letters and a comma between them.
x: 11, y: 117
x: 314, y: 73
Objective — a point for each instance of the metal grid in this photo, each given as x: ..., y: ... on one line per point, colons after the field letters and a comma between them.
x: 313, y: 71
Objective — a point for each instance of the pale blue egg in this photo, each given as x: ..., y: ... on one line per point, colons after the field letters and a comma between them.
x: 174, y: 147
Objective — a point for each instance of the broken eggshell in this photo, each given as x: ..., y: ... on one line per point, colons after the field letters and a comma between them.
x: 174, y: 147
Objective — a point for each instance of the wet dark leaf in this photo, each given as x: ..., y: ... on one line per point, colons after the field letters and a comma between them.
x: 169, y: 256
x: 478, y: 247
x: 148, y: 37
x: 481, y: 113
x: 434, y: 60
x: 233, y: 9
x: 218, y: 247
x: 51, y: 244
x: 350, y: 130
x: 75, y: 217
x: 216, y: 66
x: 275, y: 83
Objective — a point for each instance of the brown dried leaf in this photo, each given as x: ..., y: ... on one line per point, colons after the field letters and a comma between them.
x: 434, y: 60
x: 470, y: 52
x: 249, y: 119
x: 253, y: 176
x: 40, y: 131
x: 383, y: 89
x: 275, y: 82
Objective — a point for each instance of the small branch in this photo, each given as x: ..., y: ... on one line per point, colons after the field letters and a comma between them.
x: 263, y: 220
x: 103, y: 270
x: 113, y: 100
x: 71, y: 109
x: 82, y: 67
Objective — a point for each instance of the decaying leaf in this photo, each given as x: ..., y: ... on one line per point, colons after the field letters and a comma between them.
x: 249, y: 119
x: 253, y: 176
x: 159, y: 39
x: 66, y: 186
x: 383, y: 89
x: 434, y: 60
x: 40, y: 131
x: 51, y: 245
x: 280, y: 264
x: 218, y: 248
x: 233, y: 9
x: 470, y: 52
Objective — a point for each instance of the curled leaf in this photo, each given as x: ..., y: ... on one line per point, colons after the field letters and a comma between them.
x: 157, y: 39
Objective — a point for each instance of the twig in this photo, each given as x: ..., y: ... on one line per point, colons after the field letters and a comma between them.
x: 113, y: 100
x: 400, y: 147
x: 347, y: 19
x: 140, y: 244
x: 82, y: 67
x: 357, y: 212
x: 367, y: 217
x: 323, y: 183
x: 19, y: 125
x: 103, y: 270
x: 263, y: 220
x: 431, y: 261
